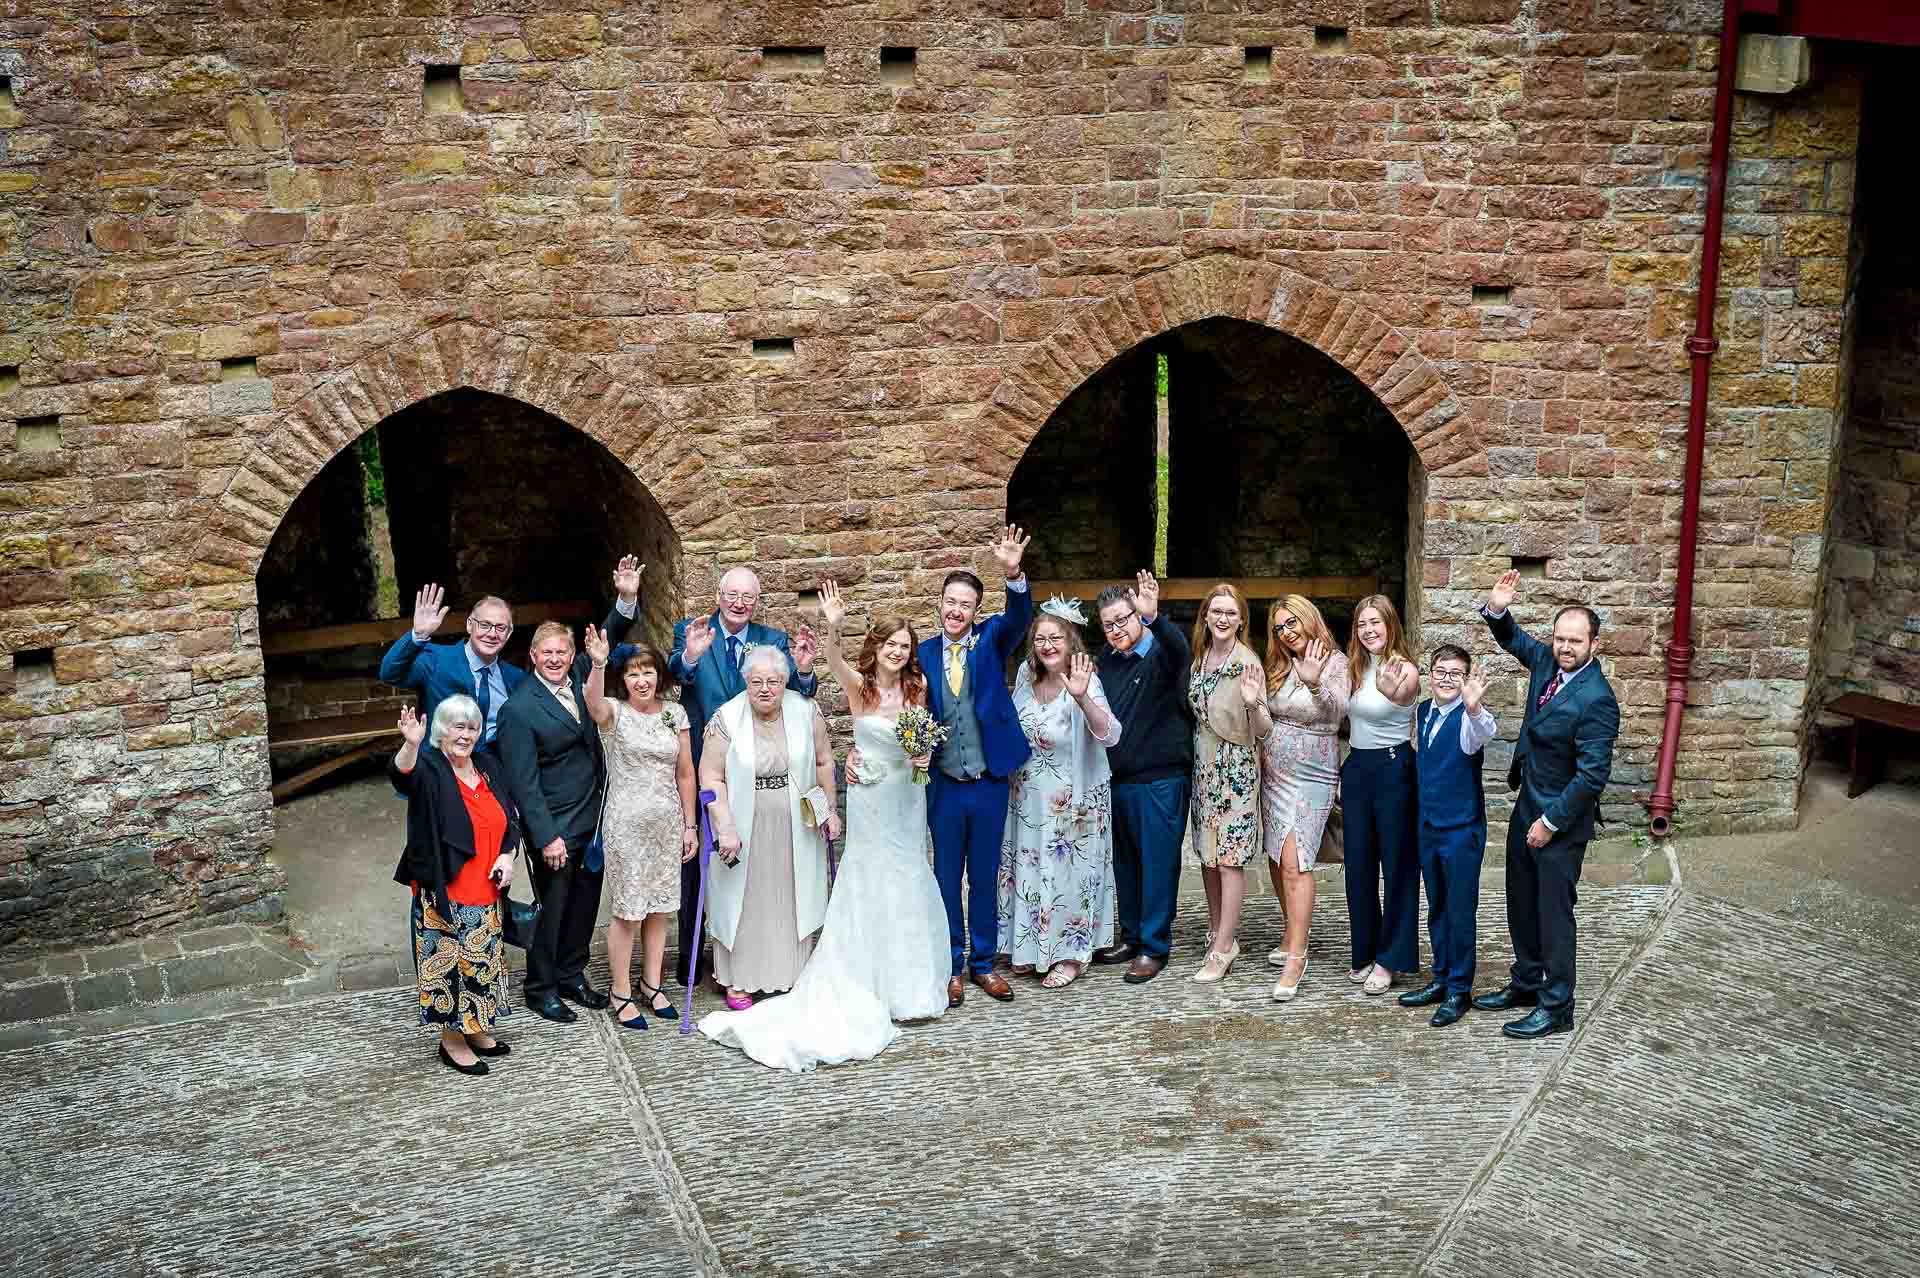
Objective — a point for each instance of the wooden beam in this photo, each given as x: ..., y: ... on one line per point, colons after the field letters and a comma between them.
x: 385, y: 630
x: 1196, y: 588
x: 332, y: 730
x: 301, y: 780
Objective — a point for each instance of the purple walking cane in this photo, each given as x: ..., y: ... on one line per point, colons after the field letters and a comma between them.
x: 699, y: 912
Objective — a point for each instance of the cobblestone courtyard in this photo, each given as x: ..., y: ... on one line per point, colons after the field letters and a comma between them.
x: 1725, y: 1106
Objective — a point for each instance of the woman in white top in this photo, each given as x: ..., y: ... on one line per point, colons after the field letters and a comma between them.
x: 1379, y: 797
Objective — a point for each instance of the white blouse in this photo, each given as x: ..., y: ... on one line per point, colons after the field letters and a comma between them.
x: 1377, y: 722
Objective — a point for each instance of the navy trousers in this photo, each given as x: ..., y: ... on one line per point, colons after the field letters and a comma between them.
x: 1380, y: 799
x: 1149, y: 820
x: 969, y: 820
x: 1542, y: 886
x: 1450, y: 865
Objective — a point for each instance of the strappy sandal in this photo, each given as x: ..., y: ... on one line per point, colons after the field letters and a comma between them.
x: 1060, y: 975
x: 1283, y: 992
x: 1378, y: 981
x: 667, y: 1013
x: 616, y: 1002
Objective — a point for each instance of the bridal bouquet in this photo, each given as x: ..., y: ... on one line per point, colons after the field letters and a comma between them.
x: 918, y: 734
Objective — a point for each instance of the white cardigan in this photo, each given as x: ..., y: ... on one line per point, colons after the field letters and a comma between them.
x: 727, y: 884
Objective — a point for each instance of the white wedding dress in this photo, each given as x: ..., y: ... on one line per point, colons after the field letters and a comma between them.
x: 883, y: 954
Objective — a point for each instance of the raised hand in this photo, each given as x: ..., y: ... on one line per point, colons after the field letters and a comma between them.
x: 1253, y: 686
x: 429, y: 610
x: 626, y: 578
x: 1474, y: 691
x: 595, y: 641
x: 1146, y: 596
x: 412, y: 726
x: 1311, y: 662
x: 1500, y: 598
x: 833, y: 608
x: 805, y: 647
x: 1079, y: 675
x: 1402, y: 679
x: 1008, y: 550
x: 699, y: 639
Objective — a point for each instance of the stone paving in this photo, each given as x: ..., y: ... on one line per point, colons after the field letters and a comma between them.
x: 1707, y: 1116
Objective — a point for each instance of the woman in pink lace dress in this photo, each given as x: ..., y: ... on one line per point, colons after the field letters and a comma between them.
x: 1307, y: 688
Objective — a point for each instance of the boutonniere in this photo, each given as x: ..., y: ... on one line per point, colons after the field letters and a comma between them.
x: 965, y: 645
x: 746, y: 650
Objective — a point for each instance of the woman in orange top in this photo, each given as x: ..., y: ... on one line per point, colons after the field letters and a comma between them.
x: 462, y: 830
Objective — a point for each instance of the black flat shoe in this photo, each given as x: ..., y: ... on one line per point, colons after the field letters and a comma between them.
x: 585, y: 995
x: 552, y: 1009
x: 1539, y: 1023
x: 1451, y: 1010
x: 472, y: 1071
x: 498, y: 1049
x: 1508, y: 995
x: 637, y: 1023
x: 1426, y: 996
x: 667, y: 1013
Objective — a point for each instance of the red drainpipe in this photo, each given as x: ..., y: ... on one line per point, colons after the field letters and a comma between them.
x: 1700, y: 346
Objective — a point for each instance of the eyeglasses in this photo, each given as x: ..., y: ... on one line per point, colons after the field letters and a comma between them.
x: 1049, y: 641
x: 1447, y: 676
x: 739, y: 597
x: 491, y: 627
x: 1291, y: 626
x: 1118, y: 625
x: 1223, y: 614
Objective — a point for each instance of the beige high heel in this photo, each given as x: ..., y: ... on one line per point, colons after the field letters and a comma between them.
x: 1283, y: 992
x: 1217, y: 965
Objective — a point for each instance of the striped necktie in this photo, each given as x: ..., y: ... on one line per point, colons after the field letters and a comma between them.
x: 1553, y: 686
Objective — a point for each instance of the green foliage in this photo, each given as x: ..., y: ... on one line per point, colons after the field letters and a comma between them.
x: 1160, y: 376
x: 1160, y: 511
x: 367, y: 447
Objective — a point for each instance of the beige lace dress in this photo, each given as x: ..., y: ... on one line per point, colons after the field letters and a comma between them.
x: 643, y: 816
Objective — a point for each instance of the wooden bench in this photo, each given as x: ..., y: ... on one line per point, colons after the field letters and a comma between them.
x: 371, y: 732
x: 1874, y: 720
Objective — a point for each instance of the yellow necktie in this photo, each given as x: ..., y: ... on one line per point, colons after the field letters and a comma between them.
x: 956, y: 668
x: 565, y: 694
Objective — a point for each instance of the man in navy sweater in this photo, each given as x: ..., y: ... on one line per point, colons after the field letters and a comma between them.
x: 1144, y: 671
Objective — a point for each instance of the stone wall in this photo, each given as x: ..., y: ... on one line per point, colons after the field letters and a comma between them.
x: 819, y: 316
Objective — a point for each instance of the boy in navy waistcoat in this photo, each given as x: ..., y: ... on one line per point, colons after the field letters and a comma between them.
x: 1450, y: 735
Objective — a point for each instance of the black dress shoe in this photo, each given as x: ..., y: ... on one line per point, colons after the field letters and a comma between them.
x: 1539, y: 1023
x: 1508, y: 995
x: 1450, y: 1010
x: 552, y: 1009
x: 585, y: 995
x: 472, y: 1071
x: 1426, y: 996
x: 1119, y: 952
x: 498, y: 1049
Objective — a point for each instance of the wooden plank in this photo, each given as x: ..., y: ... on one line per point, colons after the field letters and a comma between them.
x: 301, y: 780
x: 333, y: 730
x: 1196, y: 588
x: 385, y: 630
x: 1878, y: 710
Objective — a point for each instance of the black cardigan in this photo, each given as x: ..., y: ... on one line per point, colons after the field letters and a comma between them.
x: 439, y: 832
x: 1149, y: 696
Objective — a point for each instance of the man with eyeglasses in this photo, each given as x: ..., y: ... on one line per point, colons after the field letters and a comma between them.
x: 708, y: 655
x: 1144, y: 671
x: 474, y: 668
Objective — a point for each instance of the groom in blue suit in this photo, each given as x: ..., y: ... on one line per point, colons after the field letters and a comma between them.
x: 966, y: 669
x: 707, y: 655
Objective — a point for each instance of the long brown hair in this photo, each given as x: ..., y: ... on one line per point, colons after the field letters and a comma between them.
x: 1075, y: 644
x: 1357, y: 654
x: 913, y: 684
x: 1312, y: 625
x: 1202, y: 637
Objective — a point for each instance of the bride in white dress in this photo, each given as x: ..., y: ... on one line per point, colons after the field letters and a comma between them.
x: 882, y: 955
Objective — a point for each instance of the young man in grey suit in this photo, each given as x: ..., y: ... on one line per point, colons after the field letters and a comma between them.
x: 1561, y: 762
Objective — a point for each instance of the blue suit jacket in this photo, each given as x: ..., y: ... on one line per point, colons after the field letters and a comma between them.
x: 1564, y: 753
x: 715, y: 680
x: 439, y: 670
x: 995, y: 641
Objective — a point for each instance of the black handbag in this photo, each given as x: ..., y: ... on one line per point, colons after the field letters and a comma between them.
x: 519, y: 920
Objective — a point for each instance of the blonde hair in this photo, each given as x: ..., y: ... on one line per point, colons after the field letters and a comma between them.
x: 1357, y: 654
x: 1312, y: 625
x: 1200, y: 633
x: 547, y: 630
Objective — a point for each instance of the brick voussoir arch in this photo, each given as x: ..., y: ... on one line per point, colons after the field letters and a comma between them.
x: 1384, y: 359
x: 449, y: 356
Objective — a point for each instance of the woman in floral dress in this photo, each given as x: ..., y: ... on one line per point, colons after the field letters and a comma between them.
x: 1056, y: 863
x: 1227, y: 691
x: 647, y: 825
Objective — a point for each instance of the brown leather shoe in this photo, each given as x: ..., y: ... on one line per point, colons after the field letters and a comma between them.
x: 956, y: 991
x: 995, y: 985
x: 1118, y: 952
x: 1143, y: 969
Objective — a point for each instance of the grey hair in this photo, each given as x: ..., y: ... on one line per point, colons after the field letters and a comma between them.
x: 459, y: 708
x: 767, y: 654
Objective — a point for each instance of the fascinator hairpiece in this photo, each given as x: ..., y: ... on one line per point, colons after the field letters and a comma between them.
x: 1065, y: 609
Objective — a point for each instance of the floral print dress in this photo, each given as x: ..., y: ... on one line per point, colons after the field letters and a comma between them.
x: 1225, y: 807
x: 1057, y: 900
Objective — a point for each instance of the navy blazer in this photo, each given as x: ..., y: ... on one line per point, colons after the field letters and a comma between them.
x: 995, y: 641
x: 715, y: 680
x: 1564, y: 753
x: 440, y: 670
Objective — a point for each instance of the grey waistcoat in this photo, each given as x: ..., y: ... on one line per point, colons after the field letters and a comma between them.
x: 962, y: 756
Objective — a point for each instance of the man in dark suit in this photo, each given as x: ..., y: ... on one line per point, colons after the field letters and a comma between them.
x: 557, y: 776
x: 474, y: 668
x: 707, y: 655
x: 1561, y: 762
x: 966, y: 670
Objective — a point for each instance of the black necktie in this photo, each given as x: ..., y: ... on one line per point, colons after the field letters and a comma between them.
x: 483, y: 692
